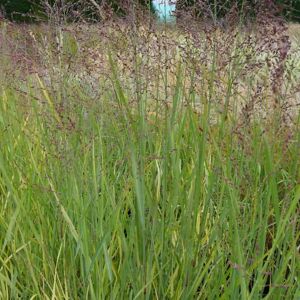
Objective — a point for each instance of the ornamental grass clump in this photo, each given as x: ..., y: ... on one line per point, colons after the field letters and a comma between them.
x: 149, y: 161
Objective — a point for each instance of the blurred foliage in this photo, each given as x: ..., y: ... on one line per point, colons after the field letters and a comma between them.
x: 16, y: 9
x: 290, y: 9
x: 29, y: 10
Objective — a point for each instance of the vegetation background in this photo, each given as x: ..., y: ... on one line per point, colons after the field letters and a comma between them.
x: 20, y: 10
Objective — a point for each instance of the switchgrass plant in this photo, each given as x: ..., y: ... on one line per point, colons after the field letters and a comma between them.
x: 161, y: 173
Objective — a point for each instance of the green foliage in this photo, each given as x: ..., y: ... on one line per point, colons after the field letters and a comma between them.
x: 105, y: 198
x: 20, y: 10
x: 219, y: 8
x: 294, y: 12
x: 16, y: 9
x: 25, y: 10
